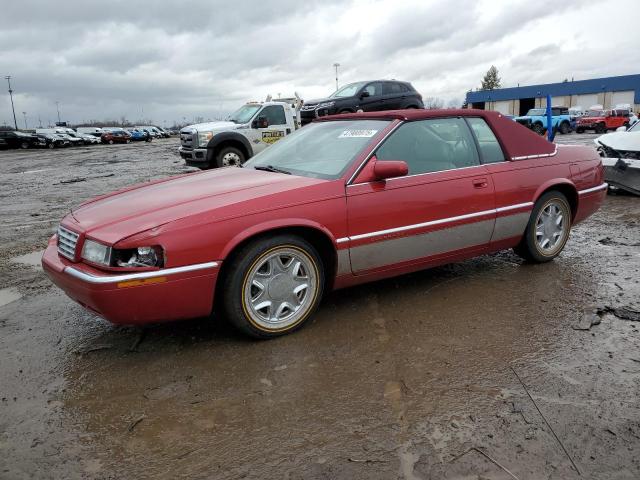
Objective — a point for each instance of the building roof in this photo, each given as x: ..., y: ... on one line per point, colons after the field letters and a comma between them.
x: 579, y: 87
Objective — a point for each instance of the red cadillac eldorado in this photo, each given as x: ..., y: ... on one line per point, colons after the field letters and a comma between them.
x: 346, y: 200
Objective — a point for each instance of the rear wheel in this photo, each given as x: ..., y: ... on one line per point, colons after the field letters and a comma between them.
x: 548, y: 229
x: 538, y: 128
x: 230, y: 157
x: 110, y: 142
x: 24, y: 145
x: 273, y: 286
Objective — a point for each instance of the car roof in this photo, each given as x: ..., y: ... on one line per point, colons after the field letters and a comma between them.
x: 517, y: 140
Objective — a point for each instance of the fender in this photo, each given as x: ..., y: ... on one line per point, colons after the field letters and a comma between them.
x: 224, y: 137
x: 273, y: 225
x: 553, y: 183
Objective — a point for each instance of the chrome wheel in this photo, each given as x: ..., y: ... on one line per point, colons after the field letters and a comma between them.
x: 280, y: 288
x: 231, y: 159
x: 552, y: 226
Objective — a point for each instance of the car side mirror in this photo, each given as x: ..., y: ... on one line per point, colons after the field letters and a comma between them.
x: 384, y: 169
x: 260, y: 122
x: 365, y: 94
x: 621, y: 129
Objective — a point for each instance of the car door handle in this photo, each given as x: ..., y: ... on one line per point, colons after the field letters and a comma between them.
x: 480, y: 183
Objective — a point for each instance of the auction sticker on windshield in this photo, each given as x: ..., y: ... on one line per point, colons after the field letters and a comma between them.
x: 357, y: 133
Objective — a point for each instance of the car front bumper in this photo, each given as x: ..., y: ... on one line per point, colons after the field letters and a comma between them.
x: 135, y: 298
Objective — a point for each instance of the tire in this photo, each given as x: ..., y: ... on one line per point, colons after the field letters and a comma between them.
x: 543, y: 228
x: 110, y: 142
x: 601, y: 128
x: 344, y: 111
x: 51, y: 145
x: 229, y: 157
x: 286, y: 264
x: 128, y: 140
x: 24, y: 145
x: 579, y: 130
x: 538, y: 128
x: 565, y: 128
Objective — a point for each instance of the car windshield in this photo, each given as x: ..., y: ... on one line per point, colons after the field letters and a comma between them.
x: 536, y: 112
x: 244, y: 114
x: 595, y: 113
x: 634, y: 127
x: 348, y: 90
x: 320, y: 150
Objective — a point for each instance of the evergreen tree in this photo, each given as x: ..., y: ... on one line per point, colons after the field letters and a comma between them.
x: 491, y: 80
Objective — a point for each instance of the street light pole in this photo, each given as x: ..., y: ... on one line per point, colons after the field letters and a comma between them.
x: 336, y: 65
x: 8, y: 78
x: 25, y: 120
x: 58, y: 109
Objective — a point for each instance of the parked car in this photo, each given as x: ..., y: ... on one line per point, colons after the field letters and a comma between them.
x: 620, y: 152
x: 117, y: 136
x: 3, y: 144
x: 137, y: 135
x: 603, y: 120
x: 247, y: 131
x: 88, y: 138
x: 73, y: 140
x: 51, y: 140
x: 95, y: 131
x: 163, y: 132
x: 16, y: 139
x: 536, y: 120
x: 340, y: 202
x: 151, y: 129
x: 365, y: 96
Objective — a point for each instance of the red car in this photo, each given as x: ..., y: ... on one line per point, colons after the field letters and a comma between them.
x: 601, y: 120
x: 117, y: 136
x: 345, y: 200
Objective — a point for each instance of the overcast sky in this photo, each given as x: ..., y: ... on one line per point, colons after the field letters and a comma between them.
x: 171, y: 60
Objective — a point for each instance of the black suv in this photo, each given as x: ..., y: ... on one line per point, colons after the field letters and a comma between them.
x: 16, y: 139
x: 370, y: 96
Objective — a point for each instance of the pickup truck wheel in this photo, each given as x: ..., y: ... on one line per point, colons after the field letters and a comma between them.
x: 565, y: 128
x: 579, y: 130
x: 538, y: 128
x: 272, y: 286
x: 230, y: 157
x: 601, y: 128
x: 548, y: 229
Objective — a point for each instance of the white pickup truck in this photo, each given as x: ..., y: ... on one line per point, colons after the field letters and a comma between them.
x: 249, y: 130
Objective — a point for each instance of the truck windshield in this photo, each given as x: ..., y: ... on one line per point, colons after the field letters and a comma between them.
x: 348, y: 90
x: 536, y: 112
x: 243, y: 114
x: 320, y: 150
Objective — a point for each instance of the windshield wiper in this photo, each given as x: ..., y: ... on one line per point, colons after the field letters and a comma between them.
x: 271, y: 168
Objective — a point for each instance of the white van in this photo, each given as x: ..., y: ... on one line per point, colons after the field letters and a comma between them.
x: 95, y: 131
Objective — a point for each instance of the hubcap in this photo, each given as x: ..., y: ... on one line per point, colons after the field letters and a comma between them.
x: 280, y: 288
x: 551, y: 227
x: 231, y: 159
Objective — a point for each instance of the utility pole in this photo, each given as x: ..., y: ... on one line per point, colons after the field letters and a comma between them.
x: 58, y: 109
x: 25, y: 120
x: 8, y: 78
x: 336, y: 65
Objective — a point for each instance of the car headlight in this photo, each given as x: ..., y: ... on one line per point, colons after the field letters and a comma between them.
x: 138, y: 257
x: 204, y: 137
x: 96, y: 252
x: 326, y: 104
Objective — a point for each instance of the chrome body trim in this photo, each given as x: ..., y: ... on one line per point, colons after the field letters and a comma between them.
x: 529, y: 157
x: 594, y: 189
x: 102, y: 279
x: 342, y: 240
x: 514, y: 207
x: 425, y: 173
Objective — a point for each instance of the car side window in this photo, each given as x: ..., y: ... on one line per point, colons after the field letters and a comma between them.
x: 374, y: 89
x: 392, y: 88
x: 431, y: 146
x: 489, y: 147
x: 274, y: 115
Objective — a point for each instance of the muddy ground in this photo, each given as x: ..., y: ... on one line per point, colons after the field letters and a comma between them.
x: 418, y: 377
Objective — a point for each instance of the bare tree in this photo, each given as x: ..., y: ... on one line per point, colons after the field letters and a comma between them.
x: 454, y: 103
x: 433, y: 103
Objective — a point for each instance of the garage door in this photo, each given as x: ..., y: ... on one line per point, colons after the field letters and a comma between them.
x: 622, y: 98
x: 503, y: 107
x: 586, y: 101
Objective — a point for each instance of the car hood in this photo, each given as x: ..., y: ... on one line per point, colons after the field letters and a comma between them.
x: 212, y: 195
x: 626, y: 141
x: 210, y: 126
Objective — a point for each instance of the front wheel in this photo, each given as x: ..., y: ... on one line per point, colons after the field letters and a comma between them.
x: 548, y: 229
x: 24, y: 145
x: 565, y: 128
x: 230, y: 157
x: 110, y: 142
x: 273, y: 286
x: 51, y: 145
x: 538, y: 128
x: 601, y: 128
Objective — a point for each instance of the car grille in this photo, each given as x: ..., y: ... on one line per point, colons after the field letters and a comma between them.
x: 186, y: 139
x: 67, y: 241
x: 309, y: 107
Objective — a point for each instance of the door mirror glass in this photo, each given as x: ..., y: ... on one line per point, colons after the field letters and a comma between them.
x: 260, y: 122
x: 364, y: 94
x: 384, y: 169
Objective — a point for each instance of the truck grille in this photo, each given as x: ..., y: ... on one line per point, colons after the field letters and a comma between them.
x: 186, y: 139
x: 67, y: 241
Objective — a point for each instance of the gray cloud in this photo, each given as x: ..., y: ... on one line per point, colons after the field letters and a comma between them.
x: 174, y: 60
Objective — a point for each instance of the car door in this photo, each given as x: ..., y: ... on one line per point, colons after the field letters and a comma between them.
x: 375, y: 101
x: 393, y: 95
x: 444, y: 206
x: 276, y: 129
